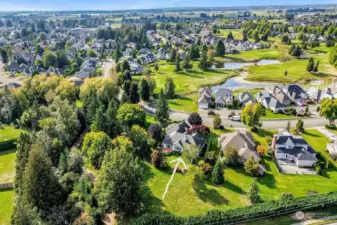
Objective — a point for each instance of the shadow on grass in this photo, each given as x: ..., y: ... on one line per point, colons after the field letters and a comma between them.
x: 311, y: 134
x: 234, y: 187
x: 211, y: 196
x: 268, y: 181
x: 152, y: 203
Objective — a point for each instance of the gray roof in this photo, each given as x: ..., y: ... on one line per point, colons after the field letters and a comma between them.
x: 181, y: 127
x: 276, y: 103
x: 183, y: 139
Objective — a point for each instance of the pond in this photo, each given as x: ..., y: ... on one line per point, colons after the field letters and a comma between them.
x: 239, y: 65
x: 240, y: 83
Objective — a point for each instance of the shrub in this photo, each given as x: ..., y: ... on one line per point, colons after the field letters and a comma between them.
x: 211, y: 113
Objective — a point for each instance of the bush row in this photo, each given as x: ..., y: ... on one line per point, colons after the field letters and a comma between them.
x: 9, y: 144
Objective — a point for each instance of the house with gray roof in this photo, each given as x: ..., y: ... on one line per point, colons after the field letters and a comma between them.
x: 296, y: 94
x: 223, y: 97
x: 245, y: 98
x: 178, y: 138
x: 293, y: 150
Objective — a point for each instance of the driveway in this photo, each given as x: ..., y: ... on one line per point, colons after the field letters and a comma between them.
x: 327, y: 133
x: 107, y: 66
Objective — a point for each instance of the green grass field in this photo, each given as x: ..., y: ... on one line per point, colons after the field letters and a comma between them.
x: 7, y: 166
x: 6, y: 206
x: 255, y: 55
x: 186, y: 104
x: 188, y: 82
x: 270, y: 115
x: 9, y: 133
x: 182, y: 200
x: 296, y: 71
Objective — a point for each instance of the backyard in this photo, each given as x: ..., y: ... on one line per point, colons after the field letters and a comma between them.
x: 182, y: 200
x: 7, y: 166
x: 9, y: 133
x: 6, y: 206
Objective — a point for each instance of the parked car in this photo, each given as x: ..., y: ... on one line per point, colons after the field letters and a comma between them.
x: 236, y: 118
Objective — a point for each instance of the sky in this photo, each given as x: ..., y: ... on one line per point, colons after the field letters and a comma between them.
x: 31, y: 5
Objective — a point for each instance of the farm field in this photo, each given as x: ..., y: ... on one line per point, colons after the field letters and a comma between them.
x: 182, y: 200
x: 7, y: 166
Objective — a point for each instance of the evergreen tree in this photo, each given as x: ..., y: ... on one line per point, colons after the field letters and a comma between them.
x: 156, y: 132
x: 99, y: 121
x: 218, y: 173
x: 230, y: 35
x: 186, y: 63
x: 253, y: 193
x: 311, y: 65
x: 156, y: 67
x: 133, y: 93
x: 112, y: 124
x: 203, y: 64
x: 40, y: 186
x: 299, y: 126
x: 125, y: 66
x: 118, y: 52
x: 173, y: 55
x: 177, y: 69
x: 288, y: 127
x: 220, y: 48
x: 63, y: 163
x: 144, y: 90
x: 4, y: 55
x: 169, y: 88
x: 162, y: 110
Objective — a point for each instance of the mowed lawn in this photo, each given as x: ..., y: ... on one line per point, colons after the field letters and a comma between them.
x: 182, y: 200
x: 255, y: 55
x: 7, y: 165
x: 295, y: 68
x: 6, y: 206
x: 9, y: 133
x: 188, y: 82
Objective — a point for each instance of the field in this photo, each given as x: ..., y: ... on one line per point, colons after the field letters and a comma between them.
x: 270, y: 115
x: 6, y: 206
x: 182, y: 200
x: 255, y: 55
x: 7, y: 166
x: 296, y: 71
x: 9, y: 133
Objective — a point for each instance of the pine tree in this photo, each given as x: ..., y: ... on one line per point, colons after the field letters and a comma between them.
x: 220, y: 49
x: 311, y: 65
x: 156, y: 67
x: 40, y: 187
x: 162, y: 110
x: 253, y: 193
x: 203, y: 59
x: 98, y: 124
x: 133, y: 93
x: 218, y: 173
x: 230, y: 35
x: 177, y: 69
x: 63, y: 163
x: 288, y: 128
x: 144, y: 90
x: 169, y: 88
x: 112, y: 124
x: 187, y: 64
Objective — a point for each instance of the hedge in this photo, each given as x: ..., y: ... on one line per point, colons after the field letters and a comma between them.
x: 240, y: 215
x: 9, y: 144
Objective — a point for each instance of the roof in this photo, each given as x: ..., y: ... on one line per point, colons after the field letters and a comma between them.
x: 239, y: 140
x: 245, y: 97
x: 181, y: 127
x: 183, y: 139
x: 275, y: 103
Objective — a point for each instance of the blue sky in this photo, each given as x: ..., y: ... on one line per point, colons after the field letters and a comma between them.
x: 14, y: 5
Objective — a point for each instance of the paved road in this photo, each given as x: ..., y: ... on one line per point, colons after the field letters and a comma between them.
x: 107, y: 66
x: 266, y: 124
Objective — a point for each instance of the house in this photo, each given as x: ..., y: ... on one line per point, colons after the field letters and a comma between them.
x: 177, y: 138
x: 276, y: 106
x: 245, y: 98
x: 293, y: 150
x: 243, y: 142
x: 296, y: 94
x: 223, y: 97
x: 315, y: 94
x: 278, y: 93
x: 263, y: 98
x: 205, y: 97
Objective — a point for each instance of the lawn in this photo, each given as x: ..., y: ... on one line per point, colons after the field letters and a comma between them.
x: 191, y: 81
x: 6, y: 206
x: 270, y: 115
x: 182, y: 200
x: 7, y: 166
x: 9, y: 133
x: 255, y: 55
x: 296, y: 71
x: 188, y: 103
x: 237, y: 33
